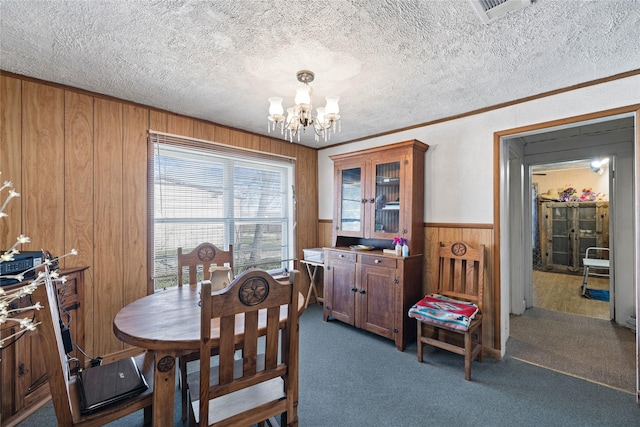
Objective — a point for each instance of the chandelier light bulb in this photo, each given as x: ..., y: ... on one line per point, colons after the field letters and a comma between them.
x: 332, y: 105
x: 275, y: 107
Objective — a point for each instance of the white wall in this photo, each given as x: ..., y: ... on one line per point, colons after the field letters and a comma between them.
x: 459, y: 163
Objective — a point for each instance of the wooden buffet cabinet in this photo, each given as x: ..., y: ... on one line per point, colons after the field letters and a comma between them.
x: 373, y: 291
x: 379, y: 196
x: 24, y: 385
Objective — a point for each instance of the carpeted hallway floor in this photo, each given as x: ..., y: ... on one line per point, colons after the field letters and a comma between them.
x: 594, y: 349
x: 572, y: 334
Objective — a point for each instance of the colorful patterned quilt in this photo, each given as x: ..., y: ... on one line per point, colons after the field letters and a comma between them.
x: 444, y: 311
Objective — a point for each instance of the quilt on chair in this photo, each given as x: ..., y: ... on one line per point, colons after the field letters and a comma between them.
x: 440, y: 310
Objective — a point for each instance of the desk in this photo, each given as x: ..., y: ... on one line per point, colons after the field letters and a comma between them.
x: 312, y: 268
x: 167, y: 323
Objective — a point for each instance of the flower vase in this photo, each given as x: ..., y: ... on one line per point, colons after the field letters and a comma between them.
x: 398, y: 250
x: 405, y: 250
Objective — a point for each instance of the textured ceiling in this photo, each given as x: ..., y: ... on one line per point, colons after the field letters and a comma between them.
x: 394, y: 64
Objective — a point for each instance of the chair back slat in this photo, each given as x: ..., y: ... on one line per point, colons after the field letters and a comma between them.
x: 251, y: 304
x: 227, y: 348
x: 250, y: 343
x: 461, y: 272
x: 204, y: 255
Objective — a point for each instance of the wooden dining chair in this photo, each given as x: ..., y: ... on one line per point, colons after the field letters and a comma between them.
x: 264, y: 383
x: 201, y: 258
x: 63, y: 385
x: 451, y: 318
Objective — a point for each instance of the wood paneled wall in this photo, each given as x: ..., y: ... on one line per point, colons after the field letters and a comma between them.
x: 474, y: 235
x: 79, y: 161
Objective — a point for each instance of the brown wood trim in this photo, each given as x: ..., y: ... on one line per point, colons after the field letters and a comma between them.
x: 458, y: 225
x: 568, y: 120
x: 637, y: 237
x: 496, y: 242
x: 491, y: 352
x: 497, y: 106
x: 325, y: 221
x: 635, y: 108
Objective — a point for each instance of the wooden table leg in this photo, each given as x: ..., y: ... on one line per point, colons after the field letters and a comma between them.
x: 164, y: 388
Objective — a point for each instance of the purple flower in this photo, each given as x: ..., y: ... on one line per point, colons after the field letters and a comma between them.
x: 399, y: 241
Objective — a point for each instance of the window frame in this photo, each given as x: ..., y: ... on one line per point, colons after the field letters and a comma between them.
x: 231, y: 157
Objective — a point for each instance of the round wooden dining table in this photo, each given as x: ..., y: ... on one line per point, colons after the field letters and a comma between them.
x: 167, y: 324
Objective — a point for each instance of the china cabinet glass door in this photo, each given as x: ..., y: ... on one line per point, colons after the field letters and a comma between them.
x: 351, y: 202
x: 387, y: 207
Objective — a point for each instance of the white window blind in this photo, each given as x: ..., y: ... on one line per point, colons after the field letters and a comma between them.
x: 205, y: 192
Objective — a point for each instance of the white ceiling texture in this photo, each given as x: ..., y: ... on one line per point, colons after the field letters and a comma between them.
x: 394, y: 64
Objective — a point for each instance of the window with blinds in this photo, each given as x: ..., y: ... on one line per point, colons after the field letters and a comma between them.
x: 205, y: 192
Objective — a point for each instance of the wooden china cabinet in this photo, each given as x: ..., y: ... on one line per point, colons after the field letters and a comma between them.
x: 567, y: 229
x: 24, y: 386
x: 379, y: 195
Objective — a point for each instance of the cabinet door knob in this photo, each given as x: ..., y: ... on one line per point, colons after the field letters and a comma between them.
x: 372, y: 200
x: 377, y: 261
x: 354, y: 289
x: 362, y: 291
x: 364, y: 200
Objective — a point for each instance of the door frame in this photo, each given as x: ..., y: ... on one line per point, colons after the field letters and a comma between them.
x: 504, y: 171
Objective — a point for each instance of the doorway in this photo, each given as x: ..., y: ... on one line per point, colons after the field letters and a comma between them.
x: 612, y: 138
x: 570, y: 213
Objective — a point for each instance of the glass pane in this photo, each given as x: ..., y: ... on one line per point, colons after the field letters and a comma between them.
x: 351, y: 202
x: 387, y: 218
x: 559, y: 228
x: 202, y: 195
x: 560, y: 247
x: 257, y: 244
x: 559, y: 213
x: 586, y: 242
x: 587, y: 212
x: 587, y: 228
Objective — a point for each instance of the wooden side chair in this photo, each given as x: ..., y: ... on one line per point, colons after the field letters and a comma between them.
x: 204, y: 255
x: 264, y: 383
x: 455, y: 310
x: 64, y: 387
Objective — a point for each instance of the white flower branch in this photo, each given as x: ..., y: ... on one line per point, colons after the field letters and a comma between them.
x: 9, y: 312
